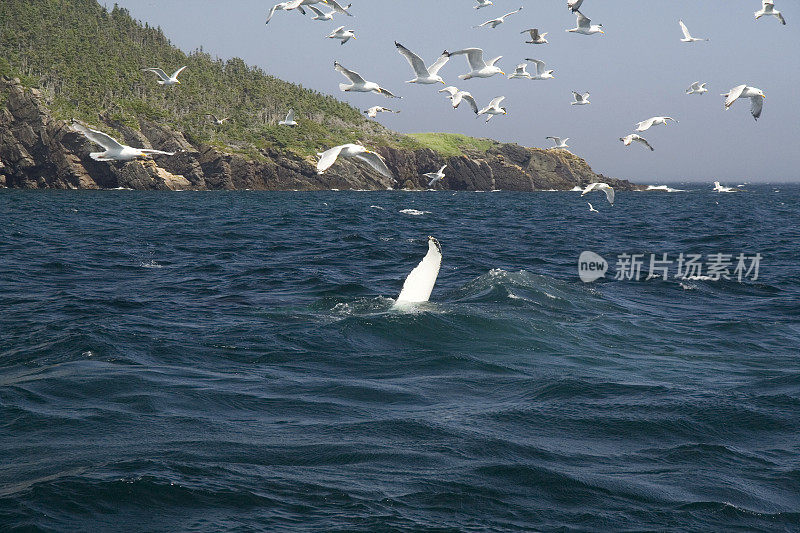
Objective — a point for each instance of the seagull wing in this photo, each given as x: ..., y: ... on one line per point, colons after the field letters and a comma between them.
x: 609, y: 190
x: 316, y: 11
x: 439, y: 63
x: 574, y: 4
x: 272, y: 11
x: 354, y: 77
x: 496, y: 101
x: 175, y: 75
x: 98, y: 137
x: 450, y: 90
x: 589, y: 188
x: 685, y: 30
x: 644, y: 142
x: 583, y: 20
x: 645, y: 124
x: 290, y: 116
x: 539, y: 65
x: 338, y: 8
x: 474, y: 57
x: 376, y: 161
x: 156, y: 152
x: 756, y: 105
x: 413, y: 59
x: 556, y: 140
x: 336, y: 31
x: 734, y: 94
x: 328, y: 158
x: 158, y: 72
x: 442, y: 169
x: 471, y: 101
x: 511, y: 13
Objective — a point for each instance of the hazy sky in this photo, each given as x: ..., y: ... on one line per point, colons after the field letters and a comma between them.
x: 638, y: 69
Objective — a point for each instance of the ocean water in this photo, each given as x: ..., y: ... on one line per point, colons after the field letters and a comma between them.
x: 231, y: 361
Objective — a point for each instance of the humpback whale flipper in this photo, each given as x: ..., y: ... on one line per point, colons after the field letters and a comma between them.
x: 419, y: 283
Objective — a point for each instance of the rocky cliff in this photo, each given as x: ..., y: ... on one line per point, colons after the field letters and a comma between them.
x: 39, y: 151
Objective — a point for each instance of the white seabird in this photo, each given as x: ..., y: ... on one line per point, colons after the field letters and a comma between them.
x: 697, y: 88
x: 281, y: 7
x: 165, y: 80
x: 541, y: 73
x: 484, y: 3
x: 422, y: 74
x: 653, y: 121
x: 768, y: 9
x: 591, y: 208
x: 559, y: 142
x: 480, y: 68
x: 628, y: 139
x: 435, y: 176
x: 456, y: 97
x: 114, y: 151
x: 493, y: 108
x: 217, y: 121
x: 580, y: 99
x: 373, y: 159
x: 605, y: 187
x: 359, y: 84
x: 321, y: 15
x: 289, y: 120
x: 499, y: 20
x: 585, y: 26
x: 342, y: 34
x: 419, y: 284
x: 755, y: 95
x: 373, y: 111
x: 687, y: 37
x: 520, y: 72
x: 337, y: 7
x: 536, y: 37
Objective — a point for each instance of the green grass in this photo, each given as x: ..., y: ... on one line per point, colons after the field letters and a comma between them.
x: 452, y: 144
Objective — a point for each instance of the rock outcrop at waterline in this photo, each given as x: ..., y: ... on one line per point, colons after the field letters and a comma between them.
x: 38, y: 151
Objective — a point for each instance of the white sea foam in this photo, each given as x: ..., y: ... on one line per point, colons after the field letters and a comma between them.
x: 664, y: 188
x: 414, y: 212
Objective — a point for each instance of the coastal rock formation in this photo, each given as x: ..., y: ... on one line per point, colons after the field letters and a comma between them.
x: 38, y: 151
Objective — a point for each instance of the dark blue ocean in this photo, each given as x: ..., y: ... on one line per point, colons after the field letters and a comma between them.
x: 230, y: 361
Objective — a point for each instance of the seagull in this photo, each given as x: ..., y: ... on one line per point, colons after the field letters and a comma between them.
x: 580, y: 99
x: 697, y: 88
x: 424, y: 75
x: 373, y: 159
x: 166, y: 81
x: 585, y: 26
x: 435, y: 176
x: 359, y: 84
x: 721, y: 188
x: 654, y: 121
x: 574, y: 5
x: 484, y: 3
x: 520, y: 72
x: 373, y: 111
x: 289, y: 120
x: 278, y: 7
x: 480, y: 68
x: 114, y: 151
x: 342, y: 34
x: 217, y: 121
x: 337, y: 7
x: 768, y: 8
x: 592, y: 209
x: 536, y: 37
x: 541, y: 73
x: 605, y: 187
x: 560, y: 143
x: 687, y: 37
x: 319, y: 15
x: 457, y: 97
x: 633, y: 137
x: 755, y: 95
x: 493, y: 108
x: 499, y: 20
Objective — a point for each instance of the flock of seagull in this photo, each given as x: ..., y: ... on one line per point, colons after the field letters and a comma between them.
x: 478, y: 66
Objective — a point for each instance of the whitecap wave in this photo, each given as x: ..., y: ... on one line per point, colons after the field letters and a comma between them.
x: 414, y: 212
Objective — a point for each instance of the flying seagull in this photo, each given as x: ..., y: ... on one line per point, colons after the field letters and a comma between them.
x: 585, y: 26
x: 373, y: 111
x: 559, y: 142
x: 755, y: 95
x: 359, y: 84
x: 114, y: 151
x: 536, y: 37
x: 435, y: 176
x: 166, y: 81
x: 591, y: 208
x: 580, y: 99
x: 493, y: 108
x: 422, y: 74
x: 635, y: 138
x: 337, y: 7
x: 499, y: 20
x: 320, y: 15
x: 373, y: 159
x: 457, y: 97
x: 289, y: 120
x: 768, y: 9
x: 484, y: 3
x: 541, y: 73
x: 342, y: 34
x: 479, y: 67
x: 217, y: 121
x: 687, y: 37
x: 279, y: 7
x: 605, y: 187
x: 697, y: 88
x: 520, y: 72
x: 654, y: 121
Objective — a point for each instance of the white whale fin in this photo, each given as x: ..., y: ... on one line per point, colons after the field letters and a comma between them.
x: 419, y: 283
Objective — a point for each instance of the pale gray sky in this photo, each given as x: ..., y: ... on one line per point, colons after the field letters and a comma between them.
x: 638, y: 69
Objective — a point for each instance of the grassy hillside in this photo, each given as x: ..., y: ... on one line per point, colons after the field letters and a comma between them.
x: 89, y: 61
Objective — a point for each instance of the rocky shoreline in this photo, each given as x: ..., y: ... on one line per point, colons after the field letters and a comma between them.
x: 38, y: 151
